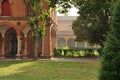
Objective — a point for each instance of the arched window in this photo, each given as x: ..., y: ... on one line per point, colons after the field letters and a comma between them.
x: 80, y: 44
x: 5, y: 8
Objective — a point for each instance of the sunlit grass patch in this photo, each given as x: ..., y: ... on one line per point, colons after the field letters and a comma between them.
x: 13, y: 68
x: 46, y: 70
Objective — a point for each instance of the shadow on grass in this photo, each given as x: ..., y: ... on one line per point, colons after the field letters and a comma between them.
x: 9, y: 63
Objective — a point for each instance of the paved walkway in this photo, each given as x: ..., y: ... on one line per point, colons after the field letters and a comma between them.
x: 76, y: 59
x: 60, y: 59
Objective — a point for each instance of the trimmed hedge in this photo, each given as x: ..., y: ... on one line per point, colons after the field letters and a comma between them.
x: 77, y: 52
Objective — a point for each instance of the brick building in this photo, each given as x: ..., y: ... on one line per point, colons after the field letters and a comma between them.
x: 65, y: 34
x: 15, y: 34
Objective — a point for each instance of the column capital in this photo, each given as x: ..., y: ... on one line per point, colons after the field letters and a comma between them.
x: 3, y: 35
x: 25, y: 36
x: 18, y: 37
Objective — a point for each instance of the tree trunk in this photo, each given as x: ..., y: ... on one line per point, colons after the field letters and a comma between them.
x: 36, y: 42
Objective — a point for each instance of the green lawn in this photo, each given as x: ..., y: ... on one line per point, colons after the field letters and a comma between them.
x: 46, y: 70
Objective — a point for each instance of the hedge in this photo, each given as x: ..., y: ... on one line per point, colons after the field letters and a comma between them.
x: 77, y: 52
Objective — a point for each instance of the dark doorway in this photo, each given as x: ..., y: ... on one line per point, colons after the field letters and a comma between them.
x: 12, y: 44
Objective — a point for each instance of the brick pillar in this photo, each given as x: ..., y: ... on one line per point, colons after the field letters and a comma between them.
x: 25, y: 48
x: 42, y: 47
x: 47, y: 43
x: 53, y: 36
x: 2, y: 56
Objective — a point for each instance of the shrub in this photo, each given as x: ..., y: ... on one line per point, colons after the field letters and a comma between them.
x: 77, y: 52
x: 82, y: 53
x: 69, y: 54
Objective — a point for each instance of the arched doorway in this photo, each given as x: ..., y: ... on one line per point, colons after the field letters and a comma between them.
x: 11, y: 43
x: 5, y: 8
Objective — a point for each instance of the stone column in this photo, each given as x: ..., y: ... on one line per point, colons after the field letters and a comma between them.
x: 76, y: 44
x: 2, y: 56
x: 86, y: 44
x: 25, y: 48
x: 18, y: 47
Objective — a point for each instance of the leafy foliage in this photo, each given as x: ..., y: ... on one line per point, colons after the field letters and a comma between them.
x: 62, y: 5
x: 93, y: 22
x: 37, y: 20
x: 111, y: 52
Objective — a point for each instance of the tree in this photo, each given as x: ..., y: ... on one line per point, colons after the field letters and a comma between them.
x: 93, y: 22
x: 37, y: 20
x: 39, y: 17
x: 111, y: 53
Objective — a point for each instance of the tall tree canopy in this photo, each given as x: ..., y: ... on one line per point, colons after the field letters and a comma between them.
x: 93, y: 22
x: 110, y: 62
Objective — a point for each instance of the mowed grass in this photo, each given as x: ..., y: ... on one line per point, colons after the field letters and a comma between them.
x: 48, y: 70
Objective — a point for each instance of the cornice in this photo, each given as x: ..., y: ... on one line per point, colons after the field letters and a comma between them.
x: 13, y: 18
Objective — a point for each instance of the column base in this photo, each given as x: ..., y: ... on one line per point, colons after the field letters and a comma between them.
x: 24, y: 56
x: 46, y: 56
x: 18, y: 56
x: 2, y: 56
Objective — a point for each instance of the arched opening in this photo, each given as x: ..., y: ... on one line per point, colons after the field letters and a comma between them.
x: 61, y: 42
x: 11, y: 43
x: 71, y: 42
x: 6, y: 8
x: 80, y: 44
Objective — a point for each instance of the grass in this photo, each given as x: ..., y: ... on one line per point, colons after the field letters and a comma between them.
x: 46, y: 70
